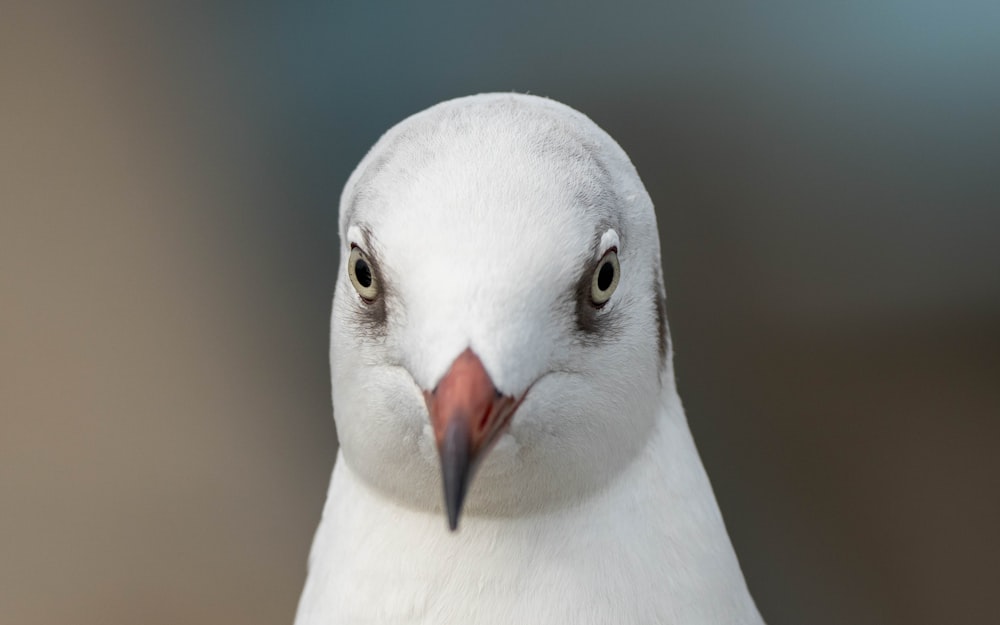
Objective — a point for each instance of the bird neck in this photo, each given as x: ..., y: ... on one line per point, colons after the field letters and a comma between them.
x: 655, y: 526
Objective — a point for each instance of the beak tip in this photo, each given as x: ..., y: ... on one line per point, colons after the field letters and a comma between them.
x: 454, y: 497
x: 456, y: 459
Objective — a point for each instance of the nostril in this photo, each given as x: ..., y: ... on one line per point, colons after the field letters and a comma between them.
x: 485, y: 418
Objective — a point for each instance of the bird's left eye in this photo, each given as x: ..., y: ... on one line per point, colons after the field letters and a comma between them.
x: 605, y: 279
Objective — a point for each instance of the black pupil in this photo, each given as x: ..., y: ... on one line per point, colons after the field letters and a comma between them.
x: 363, y: 273
x: 605, y: 277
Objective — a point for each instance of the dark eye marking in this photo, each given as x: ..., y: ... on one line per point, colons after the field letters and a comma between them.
x: 662, y: 332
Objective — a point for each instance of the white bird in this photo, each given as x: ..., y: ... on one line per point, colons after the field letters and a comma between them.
x: 498, y: 328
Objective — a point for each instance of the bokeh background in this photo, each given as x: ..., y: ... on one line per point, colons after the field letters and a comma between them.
x: 827, y: 179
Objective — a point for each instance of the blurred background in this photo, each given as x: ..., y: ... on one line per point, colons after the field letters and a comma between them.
x: 827, y: 180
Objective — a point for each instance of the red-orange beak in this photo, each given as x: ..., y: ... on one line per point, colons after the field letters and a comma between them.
x: 468, y: 414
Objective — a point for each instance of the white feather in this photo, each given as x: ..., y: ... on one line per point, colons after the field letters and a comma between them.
x: 482, y: 213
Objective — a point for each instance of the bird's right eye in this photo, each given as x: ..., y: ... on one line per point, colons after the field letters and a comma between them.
x: 359, y: 268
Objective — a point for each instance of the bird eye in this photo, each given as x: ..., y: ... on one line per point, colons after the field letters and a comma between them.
x: 605, y: 279
x: 359, y: 268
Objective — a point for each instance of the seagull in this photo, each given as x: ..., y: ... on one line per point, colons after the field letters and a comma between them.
x: 513, y: 448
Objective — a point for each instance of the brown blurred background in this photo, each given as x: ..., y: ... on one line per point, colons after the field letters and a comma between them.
x: 829, y: 201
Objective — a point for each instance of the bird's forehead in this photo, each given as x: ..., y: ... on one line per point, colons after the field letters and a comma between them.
x: 488, y: 192
x: 488, y: 210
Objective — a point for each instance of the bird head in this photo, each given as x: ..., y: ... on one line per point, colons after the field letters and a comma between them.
x: 498, y: 326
